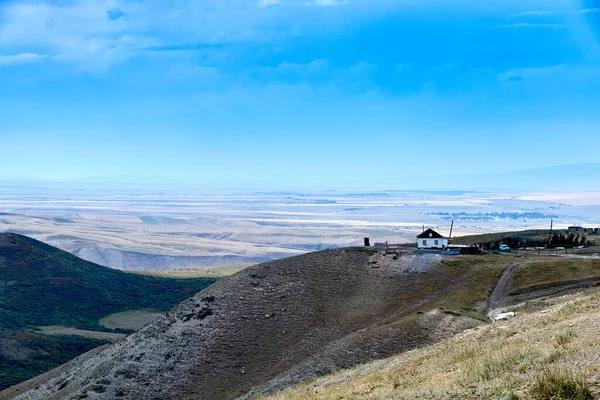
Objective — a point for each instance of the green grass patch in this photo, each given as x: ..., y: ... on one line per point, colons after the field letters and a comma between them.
x: 560, y: 385
x: 533, y: 234
x: 134, y: 319
x: 536, y: 272
x: 475, y: 277
x: 564, y: 338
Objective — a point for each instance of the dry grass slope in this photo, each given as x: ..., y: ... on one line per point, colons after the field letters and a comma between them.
x: 552, y: 354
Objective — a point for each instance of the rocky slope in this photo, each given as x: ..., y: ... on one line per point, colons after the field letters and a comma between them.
x: 276, y: 324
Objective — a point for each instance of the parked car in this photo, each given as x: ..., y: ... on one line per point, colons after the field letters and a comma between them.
x: 504, y: 247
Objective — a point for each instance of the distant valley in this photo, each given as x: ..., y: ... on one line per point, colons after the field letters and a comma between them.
x: 151, y: 230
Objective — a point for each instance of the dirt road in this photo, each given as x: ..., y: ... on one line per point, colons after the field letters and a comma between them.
x: 500, y: 292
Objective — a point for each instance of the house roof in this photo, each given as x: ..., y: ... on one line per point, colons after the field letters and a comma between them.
x: 434, y: 235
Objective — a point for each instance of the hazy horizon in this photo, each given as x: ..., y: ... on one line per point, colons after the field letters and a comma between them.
x: 583, y: 178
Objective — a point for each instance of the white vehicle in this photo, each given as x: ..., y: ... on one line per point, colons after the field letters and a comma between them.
x: 504, y: 316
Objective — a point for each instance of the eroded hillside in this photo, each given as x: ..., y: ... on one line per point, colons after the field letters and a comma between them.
x: 281, y: 323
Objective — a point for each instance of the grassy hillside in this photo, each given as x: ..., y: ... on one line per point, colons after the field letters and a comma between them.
x: 549, y: 354
x: 288, y: 321
x: 41, y: 285
x: 539, y: 272
x: 534, y: 235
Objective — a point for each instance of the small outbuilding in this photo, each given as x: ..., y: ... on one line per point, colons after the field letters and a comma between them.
x: 575, y: 230
x: 430, y: 239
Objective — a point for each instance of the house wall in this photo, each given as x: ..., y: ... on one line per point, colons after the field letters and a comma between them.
x: 429, y: 243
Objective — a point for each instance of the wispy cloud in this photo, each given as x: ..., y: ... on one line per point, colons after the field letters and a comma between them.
x: 530, y: 25
x: 269, y: 3
x: 520, y: 74
x: 534, y: 13
x: 84, y: 34
x: 23, y: 58
x: 589, y: 11
x: 302, y: 3
x: 183, y: 47
x: 330, y: 3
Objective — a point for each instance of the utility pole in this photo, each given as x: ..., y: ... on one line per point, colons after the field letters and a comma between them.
x: 451, y: 226
x: 551, y: 227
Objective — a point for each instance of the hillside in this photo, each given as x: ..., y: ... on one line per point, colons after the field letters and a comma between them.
x: 42, y: 286
x: 542, y: 239
x: 281, y: 323
x: 550, y: 351
x: 534, y: 234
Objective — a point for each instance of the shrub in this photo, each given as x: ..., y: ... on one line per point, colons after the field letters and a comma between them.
x: 560, y: 385
x: 564, y: 338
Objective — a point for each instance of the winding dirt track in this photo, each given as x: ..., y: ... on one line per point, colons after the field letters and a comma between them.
x: 500, y: 293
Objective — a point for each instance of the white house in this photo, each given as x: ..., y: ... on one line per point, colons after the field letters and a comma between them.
x: 430, y: 239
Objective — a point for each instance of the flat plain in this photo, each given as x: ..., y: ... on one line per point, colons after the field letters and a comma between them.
x: 208, y: 232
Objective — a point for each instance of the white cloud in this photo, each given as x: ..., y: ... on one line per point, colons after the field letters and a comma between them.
x: 329, y: 3
x: 23, y: 58
x: 79, y: 33
x: 292, y: 3
x: 589, y: 11
x: 530, y: 25
x: 269, y: 3
x: 534, y: 13
x: 93, y: 35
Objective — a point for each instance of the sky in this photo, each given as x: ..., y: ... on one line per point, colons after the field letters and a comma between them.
x: 279, y: 93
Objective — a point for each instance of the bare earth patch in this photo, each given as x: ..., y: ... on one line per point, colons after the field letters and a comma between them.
x: 217, y: 271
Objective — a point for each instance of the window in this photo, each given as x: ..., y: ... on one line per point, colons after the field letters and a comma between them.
x: 430, y: 234
x: 424, y: 242
x: 436, y: 242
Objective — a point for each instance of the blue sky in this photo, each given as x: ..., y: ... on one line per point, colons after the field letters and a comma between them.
x: 295, y: 92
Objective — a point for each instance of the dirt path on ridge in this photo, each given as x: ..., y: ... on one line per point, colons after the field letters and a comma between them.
x: 500, y: 292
